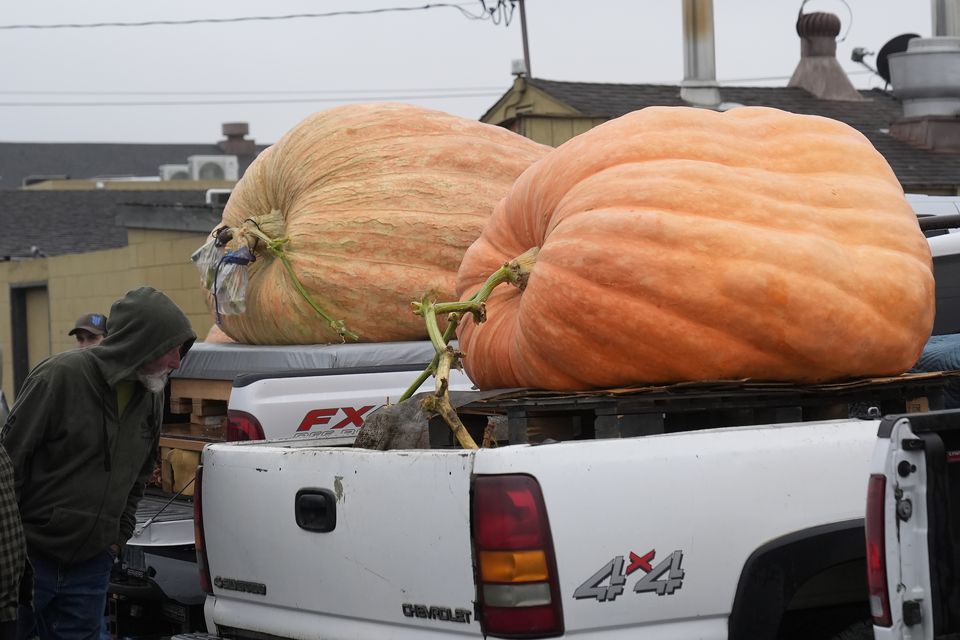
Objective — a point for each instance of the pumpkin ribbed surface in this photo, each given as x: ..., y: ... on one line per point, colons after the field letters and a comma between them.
x: 681, y: 244
x: 379, y: 203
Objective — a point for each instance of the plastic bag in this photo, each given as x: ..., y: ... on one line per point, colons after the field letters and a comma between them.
x: 206, y: 259
x: 230, y: 283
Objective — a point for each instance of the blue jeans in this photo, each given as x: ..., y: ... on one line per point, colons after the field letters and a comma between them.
x: 68, y: 599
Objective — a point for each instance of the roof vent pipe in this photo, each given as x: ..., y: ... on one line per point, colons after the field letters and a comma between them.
x: 926, y: 77
x: 699, y: 86
x: 945, y: 15
x: 236, y: 142
x: 819, y: 71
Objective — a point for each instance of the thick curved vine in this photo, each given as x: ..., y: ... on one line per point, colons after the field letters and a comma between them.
x: 276, y: 248
x: 515, y: 272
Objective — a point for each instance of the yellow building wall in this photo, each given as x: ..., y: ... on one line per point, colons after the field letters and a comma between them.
x: 529, y: 111
x: 90, y: 282
x: 38, y: 315
x: 554, y: 131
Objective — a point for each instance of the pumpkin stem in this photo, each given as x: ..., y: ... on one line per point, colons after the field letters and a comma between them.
x: 452, y: 320
x: 515, y: 272
x: 276, y: 247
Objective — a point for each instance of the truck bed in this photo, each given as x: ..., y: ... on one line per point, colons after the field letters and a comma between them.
x: 662, y: 503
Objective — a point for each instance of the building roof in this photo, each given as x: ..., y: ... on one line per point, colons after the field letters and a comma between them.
x: 915, y: 168
x: 50, y: 223
x: 19, y: 160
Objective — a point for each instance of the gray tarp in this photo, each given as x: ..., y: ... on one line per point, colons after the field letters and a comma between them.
x: 216, y: 361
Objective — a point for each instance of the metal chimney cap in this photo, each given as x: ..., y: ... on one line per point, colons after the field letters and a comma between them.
x: 235, y: 128
x: 938, y: 43
x: 818, y: 23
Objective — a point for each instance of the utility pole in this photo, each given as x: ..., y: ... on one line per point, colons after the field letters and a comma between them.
x: 526, y: 45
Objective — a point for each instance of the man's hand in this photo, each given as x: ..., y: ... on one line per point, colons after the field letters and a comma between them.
x: 116, y: 550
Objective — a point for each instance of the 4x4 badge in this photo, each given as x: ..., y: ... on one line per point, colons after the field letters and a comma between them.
x: 664, y: 578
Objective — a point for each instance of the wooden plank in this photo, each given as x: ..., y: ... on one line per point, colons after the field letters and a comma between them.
x: 204, y: 407
x: 208, y: 421
x: 196, y: 388
x: 181, y: 405
x: 182, y: 443
x: 209, y: 433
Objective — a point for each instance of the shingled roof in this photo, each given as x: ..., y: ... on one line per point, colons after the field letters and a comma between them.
x: 917, y: 169
x: 54, y: 223
x: 81, y: 161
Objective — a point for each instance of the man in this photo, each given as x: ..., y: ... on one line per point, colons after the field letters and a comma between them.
x: 89, y: 329
x: 14, y: 579
x: 83, y: 438
x: 89, y: 332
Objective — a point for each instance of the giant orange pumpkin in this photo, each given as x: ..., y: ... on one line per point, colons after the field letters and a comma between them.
x: 378, y: 202
x: 681, y: 244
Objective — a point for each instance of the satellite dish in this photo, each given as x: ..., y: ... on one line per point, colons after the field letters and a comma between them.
x: 895, y: 45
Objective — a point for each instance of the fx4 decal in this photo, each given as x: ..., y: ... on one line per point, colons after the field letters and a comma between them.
x: 321, y: 417
x: 664, y: 578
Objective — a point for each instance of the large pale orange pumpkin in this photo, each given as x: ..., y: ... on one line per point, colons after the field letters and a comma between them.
x: 216, y: 335
x: 378, y: 202
x: 682, y: 244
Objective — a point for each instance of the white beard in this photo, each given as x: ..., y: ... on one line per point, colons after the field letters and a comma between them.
x: 155, y: 382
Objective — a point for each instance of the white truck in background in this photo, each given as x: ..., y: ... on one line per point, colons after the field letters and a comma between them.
x: 325, y: 390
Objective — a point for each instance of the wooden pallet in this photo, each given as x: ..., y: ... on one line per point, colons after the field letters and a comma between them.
x: 206, y: 403
x: 534, y: 416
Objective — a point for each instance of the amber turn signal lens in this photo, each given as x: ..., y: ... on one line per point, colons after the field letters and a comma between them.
x: 513, y: 566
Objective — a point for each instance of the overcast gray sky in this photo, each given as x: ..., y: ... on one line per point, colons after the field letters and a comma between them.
x: 272, y: 74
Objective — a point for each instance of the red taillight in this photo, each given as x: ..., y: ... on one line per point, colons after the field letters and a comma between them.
x: 876, y: 554
x: 519, y: 594
x: 199, y: 541
x: 242, y: 426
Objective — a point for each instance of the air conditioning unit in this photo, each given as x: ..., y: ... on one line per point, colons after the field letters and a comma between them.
x: 174, y: 172
x: 213, y: 167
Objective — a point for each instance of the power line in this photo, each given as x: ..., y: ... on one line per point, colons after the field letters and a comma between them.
x: 181, y: 103
x: 323, y: 92
x: 291, y: 16
x: 332, y: 95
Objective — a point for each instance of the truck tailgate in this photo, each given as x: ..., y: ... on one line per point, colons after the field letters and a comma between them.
x: 398, y: 553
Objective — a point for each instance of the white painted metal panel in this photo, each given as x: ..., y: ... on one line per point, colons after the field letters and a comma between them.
x: 402, y: 536
x: 715, y: 496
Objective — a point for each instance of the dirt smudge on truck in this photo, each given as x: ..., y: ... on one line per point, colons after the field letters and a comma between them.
x: 338, y: 489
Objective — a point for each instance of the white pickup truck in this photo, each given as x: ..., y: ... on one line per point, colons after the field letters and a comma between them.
x: 688, y: 512
x: 658, y: 519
